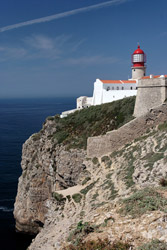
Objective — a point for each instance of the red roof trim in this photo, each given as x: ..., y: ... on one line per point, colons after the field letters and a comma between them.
x: 148, y: 77
x: 118, y: 81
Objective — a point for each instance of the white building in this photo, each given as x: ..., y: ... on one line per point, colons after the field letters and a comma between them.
x: 111, y: 90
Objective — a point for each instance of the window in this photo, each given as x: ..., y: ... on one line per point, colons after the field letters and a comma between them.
x: 122, y: 88
x: 138, y: 58
x: 117, y: 88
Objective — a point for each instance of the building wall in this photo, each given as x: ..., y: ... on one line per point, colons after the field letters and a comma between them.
x: 138, y: 73
x: 151, y: 92
x: 104, y: 93
x: 97, y: 92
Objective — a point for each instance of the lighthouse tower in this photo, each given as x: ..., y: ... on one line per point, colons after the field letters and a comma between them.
x: 138, y: 61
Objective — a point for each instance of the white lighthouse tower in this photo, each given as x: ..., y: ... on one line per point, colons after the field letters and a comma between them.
x: 138, y: 61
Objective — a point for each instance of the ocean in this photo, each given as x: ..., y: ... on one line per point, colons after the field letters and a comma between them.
x: 19, y: 118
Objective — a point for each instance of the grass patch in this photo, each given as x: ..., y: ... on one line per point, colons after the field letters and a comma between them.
x: 99, y: 245
x: 143, y: 201
x: 77, y: 197
x: 144, y: 137
x: 154, y: 245
x: 151, y: 158
x: 74, y: 129
x: 129, y: 170
x: 108, y: 184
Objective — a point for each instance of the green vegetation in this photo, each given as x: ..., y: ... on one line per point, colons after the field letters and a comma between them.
x: 77, y: 197
x: 163, y: 126
x: 58, y: 197
x: 81, y: 231
x: 151, y: 158
x: 36, y: 136
x: 129, y: 170
x: 60, y: 136
x: 95, y: 196
x: 105, y: 159
x: 74, y: 129
x: 143, y: 201
x: 144, y: 137
x: 99, y: 245
x: 86, y: 180
x: 37, y: 166
x: 95, y: 160
x: 154, y: 245
x: 88, y: 188
x: 163, y: 182
x: 68, y: 197
x: 108, y: 184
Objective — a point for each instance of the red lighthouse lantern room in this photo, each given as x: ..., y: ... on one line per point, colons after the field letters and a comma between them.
x: 138, y: 58
x: 138, y: 63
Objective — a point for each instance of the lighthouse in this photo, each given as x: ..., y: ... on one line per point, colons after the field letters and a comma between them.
x: 138, y: 61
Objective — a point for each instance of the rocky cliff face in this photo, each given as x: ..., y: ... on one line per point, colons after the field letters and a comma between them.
x: 47, y: 167
x: 70, y: 198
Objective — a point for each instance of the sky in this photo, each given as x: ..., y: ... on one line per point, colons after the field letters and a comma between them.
x: 58, y: 48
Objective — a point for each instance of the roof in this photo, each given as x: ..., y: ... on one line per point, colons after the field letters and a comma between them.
x: 118, y: 81
x: 138, y: 51
x: 158, y: 76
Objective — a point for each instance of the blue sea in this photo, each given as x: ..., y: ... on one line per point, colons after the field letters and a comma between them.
x: 19, y: 118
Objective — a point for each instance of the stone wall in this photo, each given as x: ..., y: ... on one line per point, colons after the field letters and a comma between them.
x: 112, y: 141
x: 151, y: 93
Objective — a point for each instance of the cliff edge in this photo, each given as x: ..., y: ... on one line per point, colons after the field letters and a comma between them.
x: 119, y: 197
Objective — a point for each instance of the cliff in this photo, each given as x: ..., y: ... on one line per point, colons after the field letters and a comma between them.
x: 71, y: 199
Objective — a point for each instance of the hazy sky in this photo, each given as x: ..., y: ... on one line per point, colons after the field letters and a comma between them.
x: 59, y: 47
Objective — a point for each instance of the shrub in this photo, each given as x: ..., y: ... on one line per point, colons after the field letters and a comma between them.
x: 60, y: 136
x: 81, y: 230
x: 105, y: 159
x: 86, y: 180
x: 163, y: 182
x: 143, y: 201
x: 68, y: 197
x: 77, y: 197
x: 95, y: 160
x: 154, y: 245
x: 88, y: 188
x: 50, y: 118
x: 36, y: 136
x: 58, y: 197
